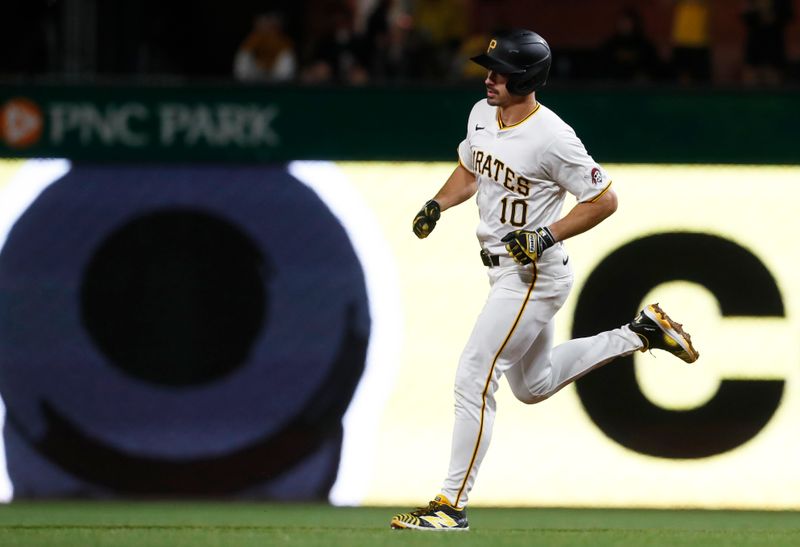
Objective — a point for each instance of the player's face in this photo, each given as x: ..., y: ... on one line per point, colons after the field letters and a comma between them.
x: 496, y: 92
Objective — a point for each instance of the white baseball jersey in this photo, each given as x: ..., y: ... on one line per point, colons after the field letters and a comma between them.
x: 525, y: 170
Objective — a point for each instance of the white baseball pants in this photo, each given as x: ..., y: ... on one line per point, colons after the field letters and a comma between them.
x: 513, y: 335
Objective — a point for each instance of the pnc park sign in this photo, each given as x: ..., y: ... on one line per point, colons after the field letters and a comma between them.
x: 63, y: 126
x: 228, y: 123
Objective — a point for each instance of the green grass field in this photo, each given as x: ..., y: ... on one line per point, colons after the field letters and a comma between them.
x: 239, y: 524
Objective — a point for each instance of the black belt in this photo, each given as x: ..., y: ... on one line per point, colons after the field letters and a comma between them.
x: 489, y: 260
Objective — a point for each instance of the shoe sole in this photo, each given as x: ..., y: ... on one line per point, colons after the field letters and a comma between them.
x: 397, y: 525
x: 673, y: 330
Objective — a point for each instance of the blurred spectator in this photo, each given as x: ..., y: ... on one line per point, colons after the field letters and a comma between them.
x: 392, y: 50
x: 691, y: 52
x: 267, y: 54
x: 765, y: 46
x: 628, y: 55
x: 337, y: 56
x: 441, y: 26
x: 376, y: 27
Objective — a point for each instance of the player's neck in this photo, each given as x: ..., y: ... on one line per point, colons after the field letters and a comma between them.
x: 515, y: 112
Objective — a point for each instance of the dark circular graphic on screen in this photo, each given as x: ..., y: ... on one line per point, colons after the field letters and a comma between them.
x: 164, y: 331
x: 175, y: 297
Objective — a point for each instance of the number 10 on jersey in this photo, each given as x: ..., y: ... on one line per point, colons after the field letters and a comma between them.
x: 514, y: 212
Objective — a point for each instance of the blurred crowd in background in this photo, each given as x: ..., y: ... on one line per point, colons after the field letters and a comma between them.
x: 358, y: 42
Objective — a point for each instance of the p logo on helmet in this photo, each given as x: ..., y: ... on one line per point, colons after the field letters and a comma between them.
x: 492, y: 45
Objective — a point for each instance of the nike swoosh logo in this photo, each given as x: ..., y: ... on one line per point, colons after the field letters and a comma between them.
x: 478, y: 127
x: 564, y: 262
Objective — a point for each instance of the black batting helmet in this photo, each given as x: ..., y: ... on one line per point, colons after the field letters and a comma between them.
x: 522, y: 55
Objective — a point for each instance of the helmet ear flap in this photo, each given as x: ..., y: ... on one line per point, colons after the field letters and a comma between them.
x: 528, y: 82
x: 522, y: 85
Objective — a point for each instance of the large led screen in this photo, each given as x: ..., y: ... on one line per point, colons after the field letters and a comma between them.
x: 712, y: 244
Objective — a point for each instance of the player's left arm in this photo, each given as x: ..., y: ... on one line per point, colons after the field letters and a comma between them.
x: 567, y: 163
x: 527, y: 246
x: 572, y: 168
x: 585, y: 216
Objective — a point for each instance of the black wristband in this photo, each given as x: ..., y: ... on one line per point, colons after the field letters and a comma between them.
x: 433, y: 209
x: 546, y: 236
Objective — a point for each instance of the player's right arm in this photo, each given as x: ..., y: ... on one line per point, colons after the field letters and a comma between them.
x: 460, y: 186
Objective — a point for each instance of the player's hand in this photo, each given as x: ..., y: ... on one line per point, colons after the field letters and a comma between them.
x: 525, y: 246
x: 425, y: 221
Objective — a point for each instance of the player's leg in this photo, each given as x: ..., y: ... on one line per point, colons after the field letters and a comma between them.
x: 517, y: 308
x: 575, y: 358
x: 542, y: 371
x: 500, y: 337
x: 531, y: 375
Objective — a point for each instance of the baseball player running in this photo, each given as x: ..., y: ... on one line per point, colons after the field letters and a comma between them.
x: 521, y: 159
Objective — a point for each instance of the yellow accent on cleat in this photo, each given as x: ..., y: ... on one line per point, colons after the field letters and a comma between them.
x: 674, y: 335
x: 439, y: 515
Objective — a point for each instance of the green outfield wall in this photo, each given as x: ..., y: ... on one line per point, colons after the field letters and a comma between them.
x: 274, y: 124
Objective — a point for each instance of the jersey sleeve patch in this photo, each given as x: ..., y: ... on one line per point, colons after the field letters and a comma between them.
x: 597, y: 176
